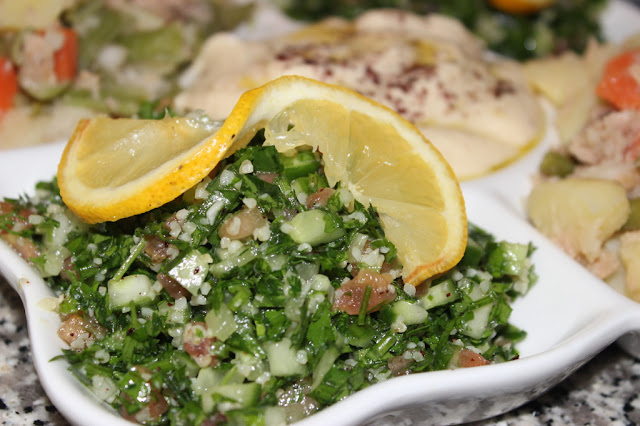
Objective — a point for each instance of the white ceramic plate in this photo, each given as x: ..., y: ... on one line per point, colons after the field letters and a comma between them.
x: 569, y: 315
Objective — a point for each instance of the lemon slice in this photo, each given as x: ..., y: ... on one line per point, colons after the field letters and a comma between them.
x: 521, y: 6
x: 114, y: 168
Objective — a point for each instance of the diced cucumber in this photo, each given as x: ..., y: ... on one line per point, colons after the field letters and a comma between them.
x: 314, y: 227
x: 276, y: 261
x: 56, y: 237
x: 309, y: 184
x: 300, y: 193
x: 233, y: 261
x: 162, y: 46
x: 253, y: 416
x: 361, y: 335
x: 191, y: 271
x: 212, y: 384
x: 178, y: 312
x: 473, y: 289
x: 404, y: 312
x: 233, y: 376
x: 300, y: 186
x: 208, y: 378
x: 283, y: 360
x: 301, y: 164
x: 508, y: 259
x: 182, y: 359
x: 136, y: 289
x: 275, y: 416
x: 439, y: 294
x: 324, y: 365
x: 320, y: 282
x: 54, y: 260
x: 249, y: 366
x: 476, y: 327
x: 221, y: 322
x: 411, y: 313
x: 245, y: 394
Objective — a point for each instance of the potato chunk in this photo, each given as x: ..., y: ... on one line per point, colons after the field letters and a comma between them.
x: 569, y: 81
x: 558, y: 77
x: 630, y: 254
x: 31, y: 13
x: 579, y: 214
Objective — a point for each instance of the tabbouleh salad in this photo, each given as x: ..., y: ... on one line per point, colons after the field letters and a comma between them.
x: 259, y: 297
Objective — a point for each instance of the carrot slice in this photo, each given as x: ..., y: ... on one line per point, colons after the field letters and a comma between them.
x: 521, y: 7
x: 66, y: 58
x: 8, y: 85
x: 620, y: 82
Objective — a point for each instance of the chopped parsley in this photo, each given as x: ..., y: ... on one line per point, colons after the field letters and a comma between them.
x: 258, y: 297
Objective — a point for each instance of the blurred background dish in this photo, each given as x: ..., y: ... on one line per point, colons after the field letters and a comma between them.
x: 71, y: 59
x: 63, y: 60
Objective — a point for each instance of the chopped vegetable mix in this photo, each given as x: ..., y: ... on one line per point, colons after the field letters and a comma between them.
x: 107, y: 57
x: 258, y: 297
x: 566, y: 25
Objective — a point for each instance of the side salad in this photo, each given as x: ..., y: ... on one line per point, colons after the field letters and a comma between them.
x: 108, y: 56
x: 549, y: 27
x: 587, y: 197
x: 64, y: 60
x: 258, y: 297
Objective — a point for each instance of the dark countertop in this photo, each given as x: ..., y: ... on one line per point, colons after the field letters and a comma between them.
x: 606, y: 391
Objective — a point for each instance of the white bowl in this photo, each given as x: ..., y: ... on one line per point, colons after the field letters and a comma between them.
x: 569, y: 316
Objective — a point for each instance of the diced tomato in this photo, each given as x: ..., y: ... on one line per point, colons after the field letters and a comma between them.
x: 349, y: 296
x: 267, y: 177
x: 156, y: 248
x: 173, y: 287
x: 215, y: 420
x: 197, y: 345
x: 156, y: 406
x: 25, y: 247
x: 319, y: 198
x: 620, y: 82
x: 5, y: 207
x: 243, y: 224
x: 66, y: 58
x: 468, y: 358
x: 399, y: 365
x: 8, y: 85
